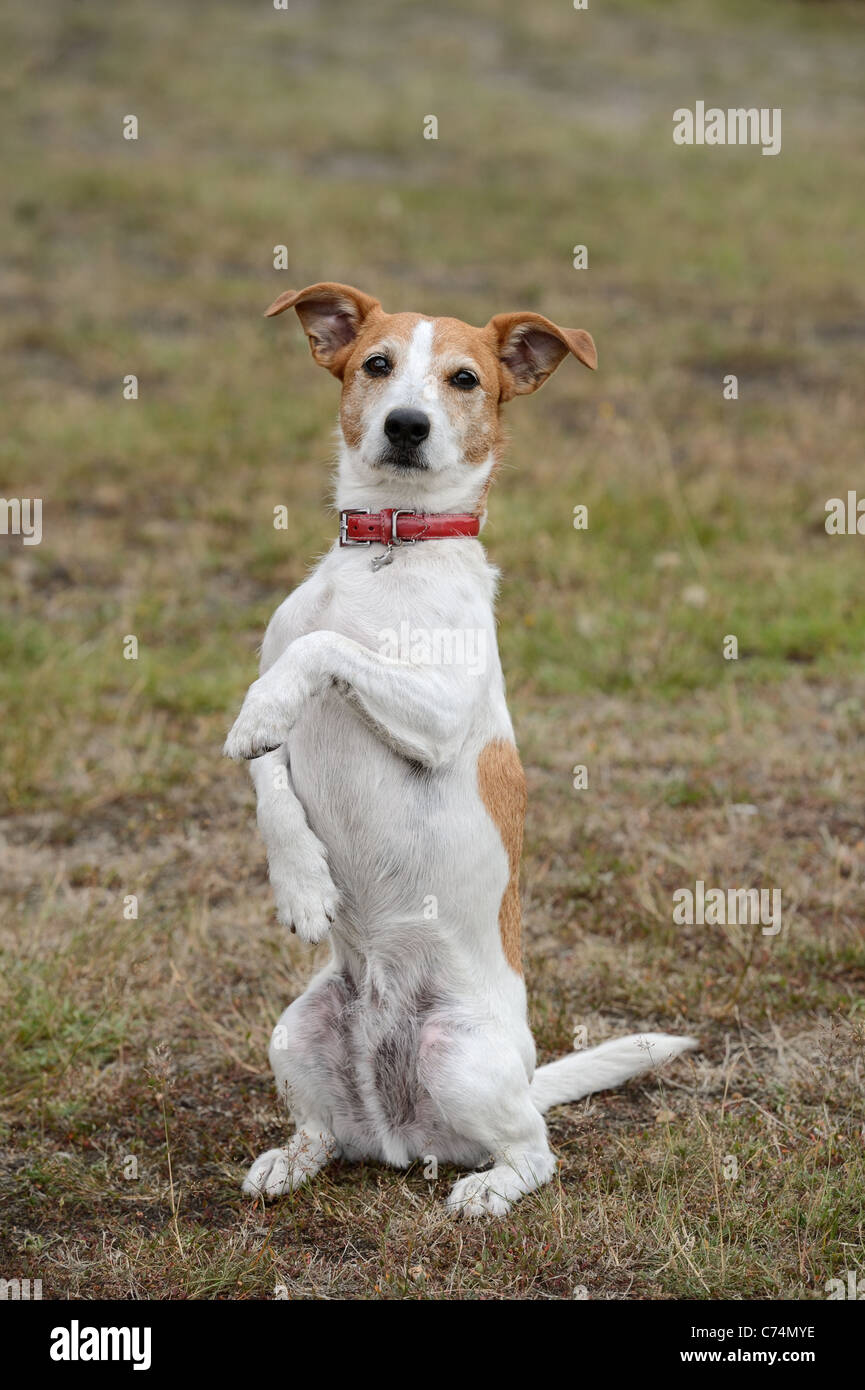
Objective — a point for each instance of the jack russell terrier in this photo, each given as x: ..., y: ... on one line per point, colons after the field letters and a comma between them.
x: 390, y: 793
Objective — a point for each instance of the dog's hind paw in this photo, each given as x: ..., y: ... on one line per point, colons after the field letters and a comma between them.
x: 476, y: 1196
x: 493, y: 1192
x: 271, y: 1175
x: 279, y: 1171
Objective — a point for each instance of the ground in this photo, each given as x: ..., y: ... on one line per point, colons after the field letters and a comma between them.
x: 136, y: 1087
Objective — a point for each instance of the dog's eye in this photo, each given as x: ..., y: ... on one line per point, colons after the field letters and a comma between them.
x: 377, y: 365
x: 464, y: 380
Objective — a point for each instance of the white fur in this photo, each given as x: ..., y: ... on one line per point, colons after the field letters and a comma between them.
x: 413, y: 1041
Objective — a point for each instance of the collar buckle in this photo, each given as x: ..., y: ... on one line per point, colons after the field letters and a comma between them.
x: 344, y: 537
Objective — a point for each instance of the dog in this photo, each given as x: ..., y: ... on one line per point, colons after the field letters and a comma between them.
x: 390, y: 794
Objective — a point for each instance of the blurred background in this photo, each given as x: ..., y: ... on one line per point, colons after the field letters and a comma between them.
x: 305, y: 127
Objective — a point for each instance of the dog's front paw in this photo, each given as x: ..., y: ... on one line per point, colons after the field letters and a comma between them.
x: 260, y: 727
x: 307, y: 899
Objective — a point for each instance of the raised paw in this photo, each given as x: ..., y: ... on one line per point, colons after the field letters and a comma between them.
x: 306, y: 896
x: 259, y: 728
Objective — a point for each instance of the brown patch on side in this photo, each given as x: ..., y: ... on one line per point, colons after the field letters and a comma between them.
x: 502, y: 784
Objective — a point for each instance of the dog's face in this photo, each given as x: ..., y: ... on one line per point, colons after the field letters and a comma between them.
x: 420, y: 396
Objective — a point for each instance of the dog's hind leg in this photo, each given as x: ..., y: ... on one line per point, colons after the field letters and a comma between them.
x: 479, y: 1085
x: 310, y: 1061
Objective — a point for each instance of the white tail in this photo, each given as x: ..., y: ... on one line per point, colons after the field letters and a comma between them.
x: 582, y: 1073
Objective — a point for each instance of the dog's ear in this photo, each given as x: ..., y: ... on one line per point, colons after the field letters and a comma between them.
x: 332, y: 316
x: 530, y: 348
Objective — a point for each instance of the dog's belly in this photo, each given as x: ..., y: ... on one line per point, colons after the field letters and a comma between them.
x: 392, y: 1117
x: 407, y: 847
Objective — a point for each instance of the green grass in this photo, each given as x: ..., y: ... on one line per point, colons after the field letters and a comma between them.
x: 705, y: 519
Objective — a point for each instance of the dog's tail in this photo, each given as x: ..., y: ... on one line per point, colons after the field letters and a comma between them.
x: 599, y: 1068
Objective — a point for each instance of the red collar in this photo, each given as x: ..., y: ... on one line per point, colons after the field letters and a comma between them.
x: 357, y: 526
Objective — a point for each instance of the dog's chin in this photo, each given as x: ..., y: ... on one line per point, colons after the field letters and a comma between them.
x: 402, y: 460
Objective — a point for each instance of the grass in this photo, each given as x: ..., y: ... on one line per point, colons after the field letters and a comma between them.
x: 137, y: 1044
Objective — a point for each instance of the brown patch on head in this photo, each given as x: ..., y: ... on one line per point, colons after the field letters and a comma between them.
x: 512, y: 355
x: 502, y: 785
x: 459, y: 345
x: 380, y: 331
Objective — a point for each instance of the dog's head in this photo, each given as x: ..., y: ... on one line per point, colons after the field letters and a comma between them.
x: 421, y: 396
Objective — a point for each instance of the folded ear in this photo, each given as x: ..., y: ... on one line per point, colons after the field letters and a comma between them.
x: 530, y: 348
x: 332, y: 316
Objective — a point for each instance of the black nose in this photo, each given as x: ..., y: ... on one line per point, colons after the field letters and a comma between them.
x: 407, y: 427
